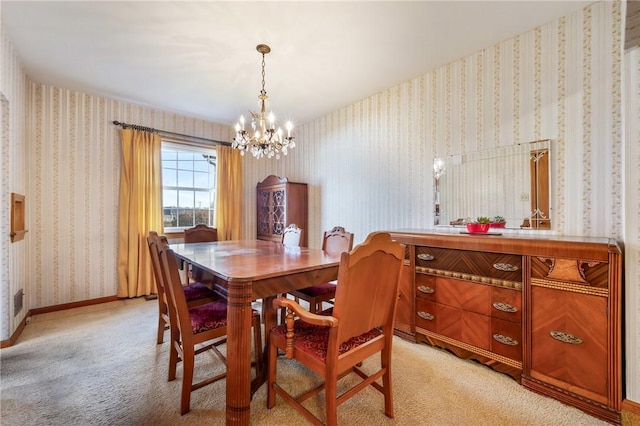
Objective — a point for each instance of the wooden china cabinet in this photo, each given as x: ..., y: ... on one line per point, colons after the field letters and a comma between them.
x: 545, y: 310
x: 279, y: 204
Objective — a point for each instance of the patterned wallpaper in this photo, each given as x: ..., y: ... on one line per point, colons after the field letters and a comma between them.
x: 632, y: 222
x: 368, y: 165
x: 13, y: 178
x: 75, y: 188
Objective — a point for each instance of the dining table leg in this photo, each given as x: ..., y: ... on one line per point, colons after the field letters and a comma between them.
x: 238, y: 353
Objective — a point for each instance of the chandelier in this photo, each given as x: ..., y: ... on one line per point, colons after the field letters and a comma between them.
x: 263, y: 140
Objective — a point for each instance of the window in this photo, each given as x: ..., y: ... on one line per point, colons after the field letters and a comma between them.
x: 188, y: 186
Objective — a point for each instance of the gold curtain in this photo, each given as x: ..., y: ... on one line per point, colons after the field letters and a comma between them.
x: 229, y: 198
x: 140, y: 210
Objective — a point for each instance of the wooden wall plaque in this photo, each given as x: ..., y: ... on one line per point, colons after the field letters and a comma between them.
x: 17, y: 217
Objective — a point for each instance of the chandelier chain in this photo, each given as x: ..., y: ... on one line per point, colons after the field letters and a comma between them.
x: 263, y: 92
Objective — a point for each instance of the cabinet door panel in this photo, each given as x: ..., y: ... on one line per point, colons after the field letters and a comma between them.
x: 404, y: 311
x: 264, y: 212
x: 569, y: 316
x: 278, y: 213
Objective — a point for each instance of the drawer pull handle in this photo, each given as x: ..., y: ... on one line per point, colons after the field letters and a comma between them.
x: 505, y: 340
x: 566, y: 337
x: 425, y: 289
x: 426, y: 315
x: 505, y: 267
x: 505, y: 307
x: 425, y: 256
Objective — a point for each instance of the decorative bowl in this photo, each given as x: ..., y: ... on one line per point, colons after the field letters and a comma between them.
x: 497, y: 224
x: 478, y: 228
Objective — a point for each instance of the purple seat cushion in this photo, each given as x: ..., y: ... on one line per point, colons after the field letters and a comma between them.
x: 314, y: 339
x: 210, y: 315
x: 319, y: 290
x: 196, y: 291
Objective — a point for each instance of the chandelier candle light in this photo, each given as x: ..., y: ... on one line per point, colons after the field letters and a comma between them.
x: 264, y: 140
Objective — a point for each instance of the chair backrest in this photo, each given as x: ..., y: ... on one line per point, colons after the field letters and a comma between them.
x: 337, y: 240
x: 368, y: 285
x: 154, y: 240
x: 177, y: 306
x: 200, y: 233
x: 292, y: 235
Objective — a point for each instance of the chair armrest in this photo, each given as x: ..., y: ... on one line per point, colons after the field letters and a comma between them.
x: 305, y: 315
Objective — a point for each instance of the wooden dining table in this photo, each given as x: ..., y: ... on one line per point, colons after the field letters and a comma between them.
x: 249, y: 270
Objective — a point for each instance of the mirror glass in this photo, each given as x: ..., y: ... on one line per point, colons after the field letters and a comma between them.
x: 511, y: 182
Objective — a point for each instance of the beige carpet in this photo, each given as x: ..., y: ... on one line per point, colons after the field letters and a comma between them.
x: 100, y: 366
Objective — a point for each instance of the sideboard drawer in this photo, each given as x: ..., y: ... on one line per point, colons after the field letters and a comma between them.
x: 426, y: 315
x: 426, y: 287
x: 506, y: 304
x: 467, y: 264
x: 506, y: 339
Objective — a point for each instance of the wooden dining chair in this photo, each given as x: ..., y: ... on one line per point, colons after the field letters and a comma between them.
x: 200, y: 233
x: 334, y: 242
x: 197, y: 329
x: 292, y: 235
x: 195, y: 293
x: 360, y: 325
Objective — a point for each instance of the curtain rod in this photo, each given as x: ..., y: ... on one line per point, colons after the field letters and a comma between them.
x: 166, y: 133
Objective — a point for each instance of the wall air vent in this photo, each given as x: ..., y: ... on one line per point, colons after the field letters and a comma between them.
x: 17, y: 302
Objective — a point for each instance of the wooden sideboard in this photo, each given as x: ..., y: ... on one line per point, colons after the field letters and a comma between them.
x: 543, y: 309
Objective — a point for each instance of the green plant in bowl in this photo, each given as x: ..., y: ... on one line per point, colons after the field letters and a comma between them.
x: 480, y: 226
x: 498, y: 222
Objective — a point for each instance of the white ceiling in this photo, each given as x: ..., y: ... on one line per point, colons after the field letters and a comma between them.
x: 199, y: 58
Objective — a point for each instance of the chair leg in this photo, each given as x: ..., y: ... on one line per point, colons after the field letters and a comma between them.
x: 188, y: 362
x: 271, y: 376
x: 257, y: 335
x: 161, y: 328
x: 331, y: 401
x: 313, y: 305
x: 386, y: 383
x: 173, y: 356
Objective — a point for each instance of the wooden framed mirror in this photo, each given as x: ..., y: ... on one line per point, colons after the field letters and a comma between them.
x: 513, y: 182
